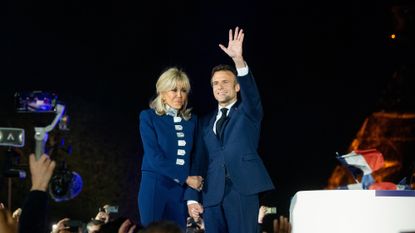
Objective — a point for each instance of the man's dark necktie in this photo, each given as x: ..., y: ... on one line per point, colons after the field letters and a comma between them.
x: 220, y: 123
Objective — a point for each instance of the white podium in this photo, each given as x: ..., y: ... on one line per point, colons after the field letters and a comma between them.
x: 353, y: 211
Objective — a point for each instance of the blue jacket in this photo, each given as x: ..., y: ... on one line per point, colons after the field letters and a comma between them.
x: 236, y: 153
x: 163, y: 138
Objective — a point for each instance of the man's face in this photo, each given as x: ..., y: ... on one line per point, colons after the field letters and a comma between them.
x: 225, y: 88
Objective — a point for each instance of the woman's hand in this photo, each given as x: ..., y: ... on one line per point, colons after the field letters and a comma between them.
x: 195, y: 182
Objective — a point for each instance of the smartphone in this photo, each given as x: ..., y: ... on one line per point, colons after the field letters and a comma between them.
x: 271, y: 210
x: 111, y: 209
x: 74, y: 225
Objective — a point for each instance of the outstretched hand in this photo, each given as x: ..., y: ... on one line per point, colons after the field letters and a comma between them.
x: 234, y: 48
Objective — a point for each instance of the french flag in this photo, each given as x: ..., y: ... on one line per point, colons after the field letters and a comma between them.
x: 363, y: 161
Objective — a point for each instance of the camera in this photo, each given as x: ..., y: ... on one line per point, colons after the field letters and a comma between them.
x: 65, y: 185
x: 109, y: 209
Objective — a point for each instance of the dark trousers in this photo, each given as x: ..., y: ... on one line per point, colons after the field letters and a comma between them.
x: 236, y: 213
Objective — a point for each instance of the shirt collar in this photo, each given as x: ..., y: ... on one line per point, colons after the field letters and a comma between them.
x: 229, y: 106
x: 171, y: 111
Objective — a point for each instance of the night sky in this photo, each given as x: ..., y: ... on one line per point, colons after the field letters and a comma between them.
x: 321, y: 67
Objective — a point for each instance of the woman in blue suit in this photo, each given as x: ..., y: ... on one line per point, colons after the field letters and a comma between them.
x: 167, y: 129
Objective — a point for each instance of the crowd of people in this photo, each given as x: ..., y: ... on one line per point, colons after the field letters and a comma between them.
x: 36, y: 221
x: 199, y: 174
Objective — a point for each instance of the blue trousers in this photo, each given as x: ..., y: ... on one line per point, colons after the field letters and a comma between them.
x: 160, y: 198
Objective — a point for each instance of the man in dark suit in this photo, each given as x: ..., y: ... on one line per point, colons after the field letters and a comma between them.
x: 226, y: 149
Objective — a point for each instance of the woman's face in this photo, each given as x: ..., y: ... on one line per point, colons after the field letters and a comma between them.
x: 175, y: 98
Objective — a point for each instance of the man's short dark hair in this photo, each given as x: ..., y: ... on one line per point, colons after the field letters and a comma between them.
x: 223, y: 67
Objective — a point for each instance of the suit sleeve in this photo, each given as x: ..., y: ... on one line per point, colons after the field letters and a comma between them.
x: 150, y: 138
x: 198, y: 160
x: 251, y: 99
x: 34, y: 213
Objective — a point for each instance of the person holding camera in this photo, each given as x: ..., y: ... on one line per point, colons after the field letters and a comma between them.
x: 104, y: 213
x: 35, y: 208
x: 67, y: 225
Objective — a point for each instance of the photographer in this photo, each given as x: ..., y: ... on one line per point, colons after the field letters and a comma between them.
x: 270, y: 223
x: 67, y: 225
x: 34, y: 212
x: 104, y: 213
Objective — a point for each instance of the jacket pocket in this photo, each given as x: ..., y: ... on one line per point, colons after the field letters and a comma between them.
x: 250, y: 156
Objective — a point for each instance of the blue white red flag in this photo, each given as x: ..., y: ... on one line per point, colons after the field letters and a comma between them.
x: 363, y: 161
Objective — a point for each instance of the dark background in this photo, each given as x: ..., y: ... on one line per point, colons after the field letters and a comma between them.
x: 321, y: 68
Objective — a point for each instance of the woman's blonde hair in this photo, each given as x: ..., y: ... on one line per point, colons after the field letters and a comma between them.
x: 171, y: 79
